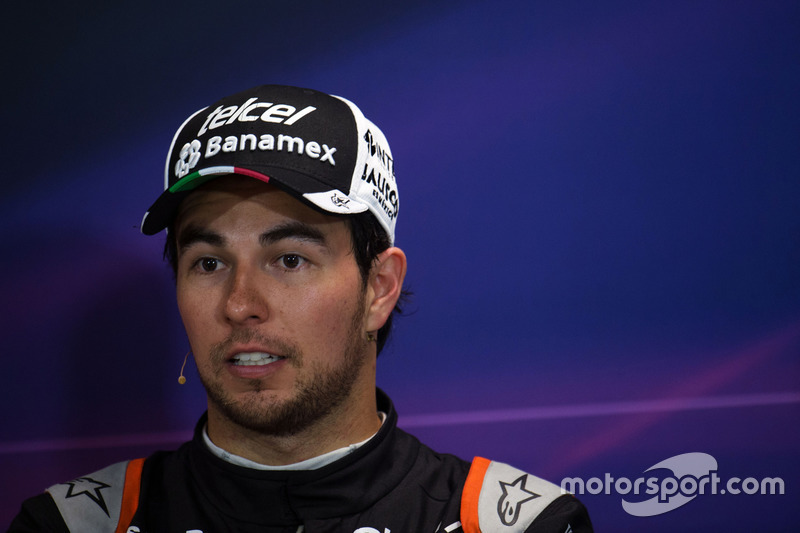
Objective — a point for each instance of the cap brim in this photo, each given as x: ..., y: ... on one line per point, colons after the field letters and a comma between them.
x: 315, y: 194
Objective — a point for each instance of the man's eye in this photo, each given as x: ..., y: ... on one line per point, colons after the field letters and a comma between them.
x: 208, y: 264
x: 291, y: 261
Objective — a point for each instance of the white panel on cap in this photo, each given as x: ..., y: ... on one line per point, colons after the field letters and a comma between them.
x: 380, y: 195
x: 335, y: 201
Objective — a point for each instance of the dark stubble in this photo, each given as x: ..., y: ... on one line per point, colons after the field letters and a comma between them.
x: 318, y: 393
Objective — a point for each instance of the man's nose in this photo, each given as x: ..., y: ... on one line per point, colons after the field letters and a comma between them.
x: 246, y: 301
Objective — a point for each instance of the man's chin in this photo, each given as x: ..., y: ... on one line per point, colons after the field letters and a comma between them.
x: 265, y: 412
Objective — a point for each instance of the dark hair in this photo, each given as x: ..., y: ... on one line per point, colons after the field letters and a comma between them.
x: 368, y: 240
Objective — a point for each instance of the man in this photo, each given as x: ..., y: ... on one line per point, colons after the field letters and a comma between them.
x: 280, y: 208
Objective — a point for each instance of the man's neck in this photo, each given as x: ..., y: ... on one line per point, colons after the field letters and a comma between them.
x: 309, y: 464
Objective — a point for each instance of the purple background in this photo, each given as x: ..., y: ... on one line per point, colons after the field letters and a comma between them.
x: 599, y: 206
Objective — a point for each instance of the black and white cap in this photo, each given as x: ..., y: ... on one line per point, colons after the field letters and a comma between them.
x: 317, y: 147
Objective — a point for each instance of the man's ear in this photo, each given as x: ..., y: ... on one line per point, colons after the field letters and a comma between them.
x: 385, y: 286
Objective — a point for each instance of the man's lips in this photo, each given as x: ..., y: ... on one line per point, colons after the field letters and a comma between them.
x: 254, y: 358
x: 249, y: 355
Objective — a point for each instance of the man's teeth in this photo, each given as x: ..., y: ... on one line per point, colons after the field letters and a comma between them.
x: 254, y: 358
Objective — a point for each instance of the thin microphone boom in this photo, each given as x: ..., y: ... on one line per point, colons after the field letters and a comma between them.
x: 182, y: 379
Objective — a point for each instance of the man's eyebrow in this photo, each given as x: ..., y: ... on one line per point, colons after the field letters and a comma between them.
x: 299, y: 231
x: 192, y: 234
x: 293, y: 230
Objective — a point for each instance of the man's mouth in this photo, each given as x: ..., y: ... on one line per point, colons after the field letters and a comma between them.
x: 254, y: 358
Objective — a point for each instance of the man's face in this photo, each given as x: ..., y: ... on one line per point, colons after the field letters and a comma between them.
x: 273, y: 304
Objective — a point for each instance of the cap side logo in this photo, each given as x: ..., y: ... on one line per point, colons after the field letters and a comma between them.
x: 340, y: 201
x: 379, y: 173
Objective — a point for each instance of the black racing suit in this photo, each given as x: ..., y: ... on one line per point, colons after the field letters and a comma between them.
x: 392, y: 484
